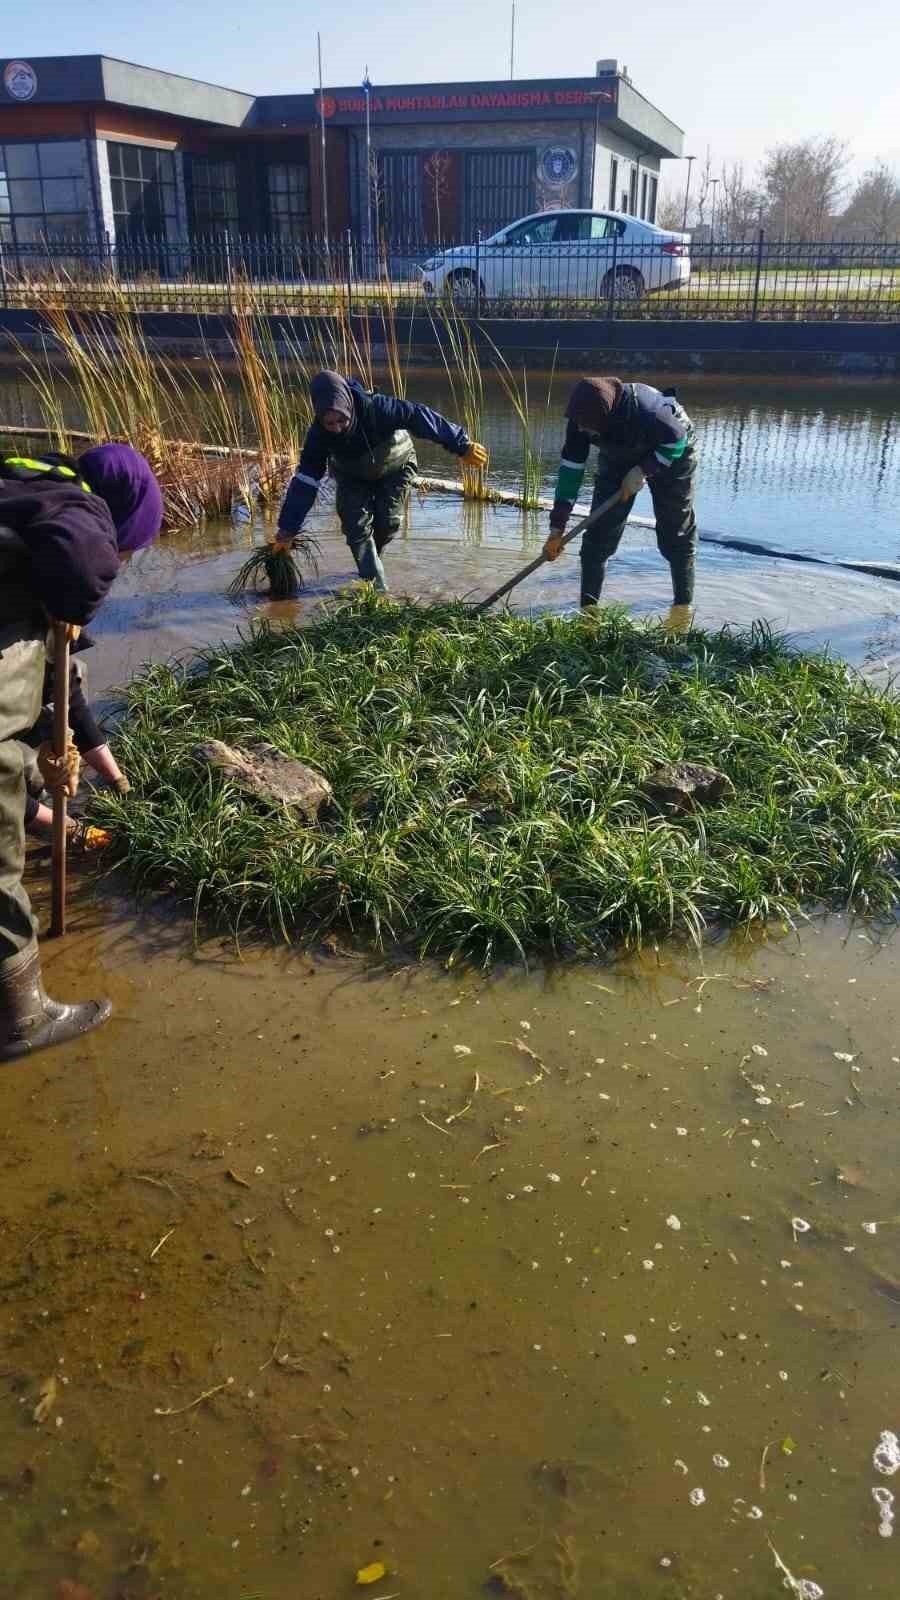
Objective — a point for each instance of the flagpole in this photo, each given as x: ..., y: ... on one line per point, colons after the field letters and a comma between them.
x: 367, y: 86
x: 322, y: 125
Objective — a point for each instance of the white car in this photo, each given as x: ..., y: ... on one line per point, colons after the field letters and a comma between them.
x: 563, y: 255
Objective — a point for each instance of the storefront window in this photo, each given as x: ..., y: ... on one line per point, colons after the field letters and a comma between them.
x: 214, y: 200
x: 289, y: 199
x: 144, y: 191
x: 42, y: 192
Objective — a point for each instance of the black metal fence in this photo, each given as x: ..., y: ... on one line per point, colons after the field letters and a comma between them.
x: 547, y: 271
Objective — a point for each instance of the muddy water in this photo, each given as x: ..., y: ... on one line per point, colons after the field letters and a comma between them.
x: 417, y: 1232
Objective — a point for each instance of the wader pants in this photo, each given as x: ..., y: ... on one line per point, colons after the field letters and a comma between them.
x: 22, y: 661
x: 672, y: 491
x: 372, y: 494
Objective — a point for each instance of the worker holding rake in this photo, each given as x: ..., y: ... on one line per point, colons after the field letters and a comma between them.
x: 641, y: 436
x: 365, y: 439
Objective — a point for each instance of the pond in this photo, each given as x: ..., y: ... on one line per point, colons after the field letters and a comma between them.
x: 578, y: 1282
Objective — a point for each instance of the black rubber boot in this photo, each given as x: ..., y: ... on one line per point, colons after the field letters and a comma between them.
x: 29, y: 1019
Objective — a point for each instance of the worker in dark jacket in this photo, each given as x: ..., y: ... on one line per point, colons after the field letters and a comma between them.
x: 365, y: 439
x: 64, y: 527
x: 641, y: 436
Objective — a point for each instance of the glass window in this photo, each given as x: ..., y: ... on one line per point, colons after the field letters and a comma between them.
x: 144, y: 190
x: 654, y: 192
x: 25, y: 194
x: 21, y: 161
x: 541, y: 230
x: 289, y: 199
x: 613, y: 183
x: 42, y: 191
x: 214, y: 195
x: 573, y: 229
x: 61, y: 194
x: 62, y: 160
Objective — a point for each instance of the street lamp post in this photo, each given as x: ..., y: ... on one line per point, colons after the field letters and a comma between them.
x: 687, y: 189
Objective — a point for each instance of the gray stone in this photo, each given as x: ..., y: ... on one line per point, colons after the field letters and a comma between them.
x: 685, y: 785
x: 265, y: 772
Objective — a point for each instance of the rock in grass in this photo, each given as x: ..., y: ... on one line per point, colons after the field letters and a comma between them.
x: 265, y: 772
x: 685, y: 785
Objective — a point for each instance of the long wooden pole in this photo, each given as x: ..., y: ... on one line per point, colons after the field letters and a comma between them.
x: 60, y: 745
x: 580, y: 527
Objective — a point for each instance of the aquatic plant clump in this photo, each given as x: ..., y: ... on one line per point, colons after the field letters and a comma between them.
x: 280, y: 569
x: 492, y: 781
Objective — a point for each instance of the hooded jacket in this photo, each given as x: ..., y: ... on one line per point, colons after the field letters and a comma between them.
x: 632, y: 424
x: 376, y: 418
x: 58, y: 549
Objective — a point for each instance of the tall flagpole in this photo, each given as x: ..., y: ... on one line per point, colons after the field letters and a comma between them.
x: 512, y: 42
x: 367, y: 90
x: 322, y: 125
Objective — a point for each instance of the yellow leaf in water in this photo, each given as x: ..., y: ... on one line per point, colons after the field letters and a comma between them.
x: 372, y: 1574
x: 788, y: 1446
x: 47, y: 1401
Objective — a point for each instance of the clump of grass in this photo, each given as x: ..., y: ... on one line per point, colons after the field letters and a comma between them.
x: 488, y: 777
x: 281, y: 569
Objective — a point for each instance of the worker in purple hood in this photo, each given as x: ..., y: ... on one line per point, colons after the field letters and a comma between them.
x: 65, y: 527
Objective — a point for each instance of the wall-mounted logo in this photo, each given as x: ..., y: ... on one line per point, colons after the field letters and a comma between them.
x: 20, y: 80
x: 326, y: 105
x: 559, y: 164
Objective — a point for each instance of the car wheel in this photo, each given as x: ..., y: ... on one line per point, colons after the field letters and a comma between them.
x: 625, y: 284
x: 463, y: 288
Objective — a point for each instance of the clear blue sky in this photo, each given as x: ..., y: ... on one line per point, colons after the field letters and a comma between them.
x: 737, y: 77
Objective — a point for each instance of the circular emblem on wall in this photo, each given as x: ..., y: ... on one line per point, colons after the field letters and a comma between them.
x: 559, y: 164
x: 20, y: 80
x: 326, y: 105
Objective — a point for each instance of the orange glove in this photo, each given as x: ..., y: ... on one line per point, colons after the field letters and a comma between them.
x: 60, y: 773
x: 475, y: 456
x: 553, y: 544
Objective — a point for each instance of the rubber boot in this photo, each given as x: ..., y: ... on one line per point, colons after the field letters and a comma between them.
x: 29, y: 1019
x: 679, y: 619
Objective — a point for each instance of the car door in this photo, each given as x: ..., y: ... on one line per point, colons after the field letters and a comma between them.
x: 563, y: 266
x: 517, y: 260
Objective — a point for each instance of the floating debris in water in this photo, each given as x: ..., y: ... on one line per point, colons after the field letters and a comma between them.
x: 799, y: 1225
x: 886, y: 1458
x: 697, y: 1497
x: 759, y: 1050
x: 722, y: 1462
x: 673, y: 1223
x: 885, y: 1503
x: 870, y: 1227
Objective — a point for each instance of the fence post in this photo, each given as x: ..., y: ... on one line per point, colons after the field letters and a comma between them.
x: 349, y: 237
x: 611, y: 307
x: 759, y: 255
x: 478, y: 275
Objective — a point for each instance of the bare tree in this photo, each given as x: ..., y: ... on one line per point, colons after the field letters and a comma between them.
x: 740, y: 205
x: 704, y: 190
x: 670, y: 210
x: 803, y: 184
x: 874, y: 210
x: 437, y: 171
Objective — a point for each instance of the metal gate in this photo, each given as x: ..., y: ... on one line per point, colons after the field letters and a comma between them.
x: 498, y: 188
x: 399, y: 195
